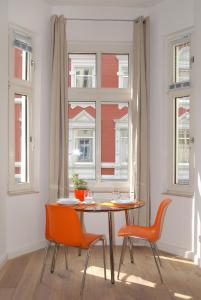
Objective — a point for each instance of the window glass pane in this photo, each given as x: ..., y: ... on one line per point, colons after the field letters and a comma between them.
x: 82, y: 122
x: 22, y: 56
x: 182, y: 136
x: 82, y: 70
x: 21, y: 138
x: 114, y: 71
x: 114, y: 141
x: 182, y: 62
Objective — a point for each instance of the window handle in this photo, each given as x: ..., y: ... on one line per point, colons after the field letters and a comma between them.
x: 192, y: 60
x: 192, y: 140
x: 33, y: 65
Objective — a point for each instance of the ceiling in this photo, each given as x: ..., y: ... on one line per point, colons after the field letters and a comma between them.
x: 125, y: 3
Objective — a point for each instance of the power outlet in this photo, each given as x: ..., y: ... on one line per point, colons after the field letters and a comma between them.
x: 200, y: 238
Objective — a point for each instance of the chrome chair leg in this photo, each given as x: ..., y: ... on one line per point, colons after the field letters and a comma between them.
x: 82, y: 225
x: 122, y: 255
x: 85, y: 269
x: 158, y: 268
x: 54, y: 258
x: 104, y: 260
x: 157, y: 253
x: 127, y: 216
x: 131, y: 250
x: 66, y: 256
x: 44, y: 260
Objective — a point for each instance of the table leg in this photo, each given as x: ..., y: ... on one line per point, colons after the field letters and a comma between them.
x: 82, y: 224
x: 111, y: 246
x: 129, y: 239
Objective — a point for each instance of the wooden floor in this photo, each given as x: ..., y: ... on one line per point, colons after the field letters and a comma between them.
x: 19, y: 278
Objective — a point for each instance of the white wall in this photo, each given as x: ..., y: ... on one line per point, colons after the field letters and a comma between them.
x: 99, y: 12
x: 167, y: 18
x: 99, y: 31
x: 25, y: 213
x: 3, y: 124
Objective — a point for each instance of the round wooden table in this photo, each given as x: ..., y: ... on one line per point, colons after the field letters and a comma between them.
x: 110, y: 208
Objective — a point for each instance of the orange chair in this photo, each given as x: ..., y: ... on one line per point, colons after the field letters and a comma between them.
x: 151, y: 234
x: 50, y: 241
x: 65, y: 229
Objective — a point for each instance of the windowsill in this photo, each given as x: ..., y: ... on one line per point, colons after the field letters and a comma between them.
x: 105, y: 191
x: 102, y: 196
x: 15, y: 193
x: 178, y: 194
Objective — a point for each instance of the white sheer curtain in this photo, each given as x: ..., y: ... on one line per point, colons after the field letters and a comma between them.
x: 58, y: 117
x: 140, y: 117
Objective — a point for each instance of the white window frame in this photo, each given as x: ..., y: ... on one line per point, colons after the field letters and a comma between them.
x: 102, y: 95
x: 172, y: 94
x: 22, y: 87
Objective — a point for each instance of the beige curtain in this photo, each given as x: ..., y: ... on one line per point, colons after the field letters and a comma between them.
x: 58, y: 115
x: 140, y: 117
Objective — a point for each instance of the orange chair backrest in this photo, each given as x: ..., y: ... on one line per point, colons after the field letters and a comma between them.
x: 47, y: 233
x: 64, y: 225
x: 159, y: 220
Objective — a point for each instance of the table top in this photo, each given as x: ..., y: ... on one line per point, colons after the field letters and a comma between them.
x: 107, y: 206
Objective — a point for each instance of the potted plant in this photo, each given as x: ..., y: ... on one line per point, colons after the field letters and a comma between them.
x: 80, y: 187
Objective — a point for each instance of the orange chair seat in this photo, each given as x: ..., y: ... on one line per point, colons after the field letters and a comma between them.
x: 88, y: 238
x: 148, y: 233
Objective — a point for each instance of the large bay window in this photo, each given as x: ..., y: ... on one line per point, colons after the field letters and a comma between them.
x: 180, y: 98
x: 20, y: 98
x: 98, y: 113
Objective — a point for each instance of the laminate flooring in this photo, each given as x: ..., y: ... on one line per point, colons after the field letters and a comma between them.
x: 19, y: 277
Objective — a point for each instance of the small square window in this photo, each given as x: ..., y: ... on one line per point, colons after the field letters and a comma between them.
x: 82, y: 70
x: 114, y: 71
x: 182, y: 62
x: 22, y: 56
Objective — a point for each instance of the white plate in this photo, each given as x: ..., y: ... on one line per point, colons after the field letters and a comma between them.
x: 123, y: 201
x: 88, y: 200
x: 68, y: 201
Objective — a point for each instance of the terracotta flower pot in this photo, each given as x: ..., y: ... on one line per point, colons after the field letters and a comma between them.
x: 80, y: 194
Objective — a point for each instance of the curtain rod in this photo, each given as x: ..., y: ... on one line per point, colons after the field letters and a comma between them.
x: 110, y: 20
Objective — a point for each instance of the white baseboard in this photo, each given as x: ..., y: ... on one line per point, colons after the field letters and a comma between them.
x: 26, y: 249
x: 3, y: 260
x: 176, y: 250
